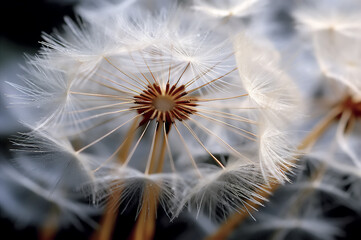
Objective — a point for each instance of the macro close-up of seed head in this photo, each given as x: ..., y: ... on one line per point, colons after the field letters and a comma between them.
x: 185, y: 119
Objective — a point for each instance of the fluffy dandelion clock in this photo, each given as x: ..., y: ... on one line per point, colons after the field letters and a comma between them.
x: 338, y: 54
x: 174, y: 113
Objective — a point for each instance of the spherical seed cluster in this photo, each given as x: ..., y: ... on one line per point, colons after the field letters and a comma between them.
x: 153, y: 101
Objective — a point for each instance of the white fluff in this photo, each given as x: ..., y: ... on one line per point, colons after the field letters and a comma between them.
x: 228, y: 8
x: 267, y: 86
x: 89, y: 79
x: 219, y: 193
x: 276, y: 154
x: 342, y: 17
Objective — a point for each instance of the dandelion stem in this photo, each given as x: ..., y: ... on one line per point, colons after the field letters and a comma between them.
x: 49, y: 229
x: 145, y: 225
x: 162, y: 153
x: 108, y: 221
x: 136, y: 145
x: 153, y: 150
x: 106, y: 227
x: 319, y: 129
x: 233, y: 221
x: 123, y: 153
x: 144, y: 228
x: 168, y: 148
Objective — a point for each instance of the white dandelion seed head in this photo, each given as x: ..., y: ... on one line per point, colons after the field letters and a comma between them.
x: 170, y: 101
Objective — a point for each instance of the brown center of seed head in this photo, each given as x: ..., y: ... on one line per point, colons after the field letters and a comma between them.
x: 352, y: 105
x: 165, y: 105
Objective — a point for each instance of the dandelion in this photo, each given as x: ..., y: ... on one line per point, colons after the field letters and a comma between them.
x: 331, y: 171
x: 163, y: 111
x: 338, y: 56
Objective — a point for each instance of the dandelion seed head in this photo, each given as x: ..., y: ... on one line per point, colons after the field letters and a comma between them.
x: 165, y: 90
